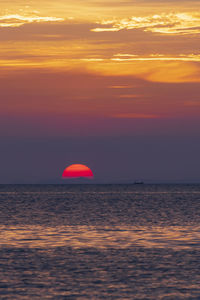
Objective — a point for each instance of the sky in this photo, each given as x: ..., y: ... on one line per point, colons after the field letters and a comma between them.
x: 111, y: 84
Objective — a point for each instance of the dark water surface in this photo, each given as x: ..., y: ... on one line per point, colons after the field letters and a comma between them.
x: 100, y: 242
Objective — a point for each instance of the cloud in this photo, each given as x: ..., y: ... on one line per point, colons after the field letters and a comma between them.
x: 131, y: 96
x: 156, y: 57
x: 17, y: 20
x: 121, y: 87
x: 128, y: 58
x: 172, y: 23
x: 136, y: 116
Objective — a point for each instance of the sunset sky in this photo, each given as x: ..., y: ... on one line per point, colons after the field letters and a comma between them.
x: 111, y: 84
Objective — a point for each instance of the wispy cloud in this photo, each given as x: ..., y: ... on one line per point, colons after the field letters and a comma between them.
x: 130, y: 96
x: 136, y: 116
x: 156, y: 57
x: 121, y: 87
x: 120, y: 57
x: 173, y: 23
x: 17, y: 20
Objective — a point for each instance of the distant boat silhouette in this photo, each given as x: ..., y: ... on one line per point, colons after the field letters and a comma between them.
x: 138, y: 182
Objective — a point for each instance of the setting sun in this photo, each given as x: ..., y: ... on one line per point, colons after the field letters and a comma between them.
x: 77, y: 171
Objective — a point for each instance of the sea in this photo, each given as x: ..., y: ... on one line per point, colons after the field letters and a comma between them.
x: 100, y: 242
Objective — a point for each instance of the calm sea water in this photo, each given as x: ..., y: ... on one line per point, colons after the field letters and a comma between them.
x: 100, y: 242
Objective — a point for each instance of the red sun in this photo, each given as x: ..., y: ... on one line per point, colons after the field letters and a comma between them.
x: 77, y: 171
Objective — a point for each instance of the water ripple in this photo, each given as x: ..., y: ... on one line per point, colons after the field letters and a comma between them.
x: 176, y: 237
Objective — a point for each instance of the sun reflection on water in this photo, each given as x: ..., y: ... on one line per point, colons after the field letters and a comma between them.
x: 175, y: 237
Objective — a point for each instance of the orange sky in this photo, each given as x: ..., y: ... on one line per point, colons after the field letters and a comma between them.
x: 99, y: 67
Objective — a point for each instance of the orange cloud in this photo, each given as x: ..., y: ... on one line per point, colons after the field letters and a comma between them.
x: 157, y: 57
x: 16, y: 20
x: 172, y: 23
